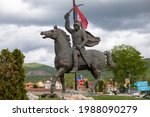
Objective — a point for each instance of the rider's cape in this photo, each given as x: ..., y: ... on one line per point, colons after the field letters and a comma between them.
x: 92, y: 40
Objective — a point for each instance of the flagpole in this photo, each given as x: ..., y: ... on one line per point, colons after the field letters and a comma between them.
x: 74, y: 13
x: 74, y: 19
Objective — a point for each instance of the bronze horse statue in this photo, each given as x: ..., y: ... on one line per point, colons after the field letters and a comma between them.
x: 64, y: 62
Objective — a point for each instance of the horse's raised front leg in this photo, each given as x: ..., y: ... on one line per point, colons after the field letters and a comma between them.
x: 60, y: 72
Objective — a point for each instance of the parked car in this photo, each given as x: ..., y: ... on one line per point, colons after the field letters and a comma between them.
x: 147, y: 96
x: 135, y: 93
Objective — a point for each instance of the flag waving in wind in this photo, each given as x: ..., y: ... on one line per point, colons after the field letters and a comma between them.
x: 78, y: 14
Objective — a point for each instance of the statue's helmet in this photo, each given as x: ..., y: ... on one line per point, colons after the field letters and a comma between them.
x: 77, y: 23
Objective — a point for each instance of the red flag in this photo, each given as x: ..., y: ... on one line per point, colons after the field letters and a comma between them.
x: 82, y: 18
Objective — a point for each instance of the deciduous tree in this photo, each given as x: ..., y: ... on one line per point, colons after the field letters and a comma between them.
x: 129, y: 63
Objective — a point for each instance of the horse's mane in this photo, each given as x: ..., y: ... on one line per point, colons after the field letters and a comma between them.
x: 66, y: 35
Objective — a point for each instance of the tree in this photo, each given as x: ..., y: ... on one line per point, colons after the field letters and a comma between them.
x: 100, y: 87
x: 86, y: 84
x: 69, y: 80
x: 12, y: 75
x: 129, y: 63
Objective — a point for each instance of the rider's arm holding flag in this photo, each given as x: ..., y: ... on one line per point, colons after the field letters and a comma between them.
x: 67, y: 23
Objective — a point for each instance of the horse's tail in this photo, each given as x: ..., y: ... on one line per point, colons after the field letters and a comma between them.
x: 110, y: 62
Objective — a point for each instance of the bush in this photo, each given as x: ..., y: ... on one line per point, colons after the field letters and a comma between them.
x: 35, y: 86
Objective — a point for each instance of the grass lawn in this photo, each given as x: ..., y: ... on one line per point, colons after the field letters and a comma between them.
x: 115, y: 97
x: 102, y: 97
x: 49, y: 99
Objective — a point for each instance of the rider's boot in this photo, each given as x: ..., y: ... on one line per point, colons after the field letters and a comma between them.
x: 75, y: 67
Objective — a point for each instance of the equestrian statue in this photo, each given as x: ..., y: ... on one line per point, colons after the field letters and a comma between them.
x: 72, y: 59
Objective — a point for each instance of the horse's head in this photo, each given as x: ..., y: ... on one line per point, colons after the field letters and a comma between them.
x: 50, y: 33
x: 58, y: 35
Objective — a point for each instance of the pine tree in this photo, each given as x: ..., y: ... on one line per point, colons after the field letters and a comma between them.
x: 12, y: 75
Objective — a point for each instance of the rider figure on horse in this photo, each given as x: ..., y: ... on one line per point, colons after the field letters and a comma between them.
x: 79, y: 40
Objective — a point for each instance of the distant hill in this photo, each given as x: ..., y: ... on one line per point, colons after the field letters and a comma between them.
x: 36, y: 72
x: 32, y: 67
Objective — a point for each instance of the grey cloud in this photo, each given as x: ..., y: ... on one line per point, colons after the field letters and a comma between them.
x: 120, y: 15
x: 54, y: 4
x: 111, y: 15
x: 24, y: 38
x: 53, y: 13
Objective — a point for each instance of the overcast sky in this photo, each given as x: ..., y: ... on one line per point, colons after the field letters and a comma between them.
x: 116, y: 22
